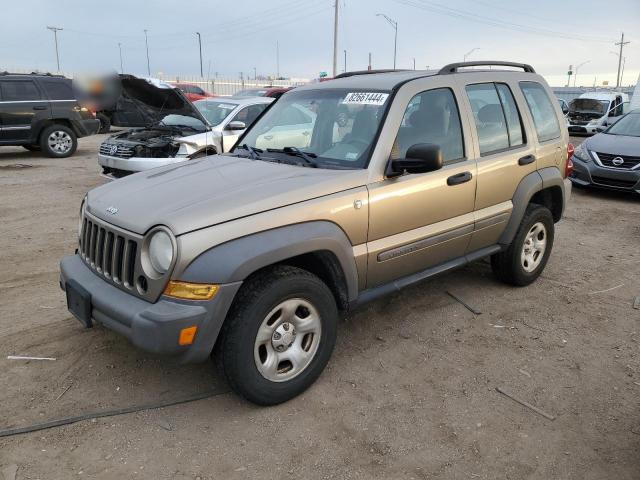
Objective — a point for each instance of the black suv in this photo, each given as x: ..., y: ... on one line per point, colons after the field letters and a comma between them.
x: 40, y: 112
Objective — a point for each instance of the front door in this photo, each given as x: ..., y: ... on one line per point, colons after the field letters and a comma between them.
x: 421, y: 220
x: 21, y: 101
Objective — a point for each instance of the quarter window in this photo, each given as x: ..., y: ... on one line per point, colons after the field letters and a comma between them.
x: 19, y: 90
x: 496, y: 117
x: 58, y: 89
x: 542, y: 111
x: 431, y: 117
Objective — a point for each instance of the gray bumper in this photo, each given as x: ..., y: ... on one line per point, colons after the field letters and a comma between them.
x: 136, y: 164
x: 591, y: 174
x: 153, y: 327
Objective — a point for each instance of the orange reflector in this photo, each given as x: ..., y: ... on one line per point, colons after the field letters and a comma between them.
x: 190, y: 291
x: 187, y: 335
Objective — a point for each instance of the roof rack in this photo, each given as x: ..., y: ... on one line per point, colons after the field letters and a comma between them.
x: 367, y: 72
x: 453, y: 67
x: 44, y: 74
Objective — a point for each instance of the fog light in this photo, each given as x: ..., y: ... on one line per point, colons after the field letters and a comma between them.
x: 190, y: 291
x: 187, y: 335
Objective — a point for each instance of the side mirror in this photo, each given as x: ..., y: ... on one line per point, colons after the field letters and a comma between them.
x: 565, y: 109
x: 420, y: 158
x: 236, y: 125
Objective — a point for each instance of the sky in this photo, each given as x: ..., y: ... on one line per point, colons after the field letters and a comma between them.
x: 243, y: 35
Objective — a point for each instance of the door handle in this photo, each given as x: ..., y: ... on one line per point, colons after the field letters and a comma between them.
x: 459, y: 178
x: 526, y: 160
x: 39, y: 107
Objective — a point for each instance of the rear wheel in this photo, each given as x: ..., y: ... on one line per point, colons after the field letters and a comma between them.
x: 278, y: 336
x: 58, y: 141
x: 525, y: 259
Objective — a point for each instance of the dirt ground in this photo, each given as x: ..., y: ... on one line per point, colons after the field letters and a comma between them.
x: 410, y: 392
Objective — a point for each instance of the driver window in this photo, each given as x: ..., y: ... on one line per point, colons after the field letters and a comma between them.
x: 431, y: 117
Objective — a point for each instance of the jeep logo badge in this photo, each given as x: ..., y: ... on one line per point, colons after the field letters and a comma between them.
x: 112, y: 210
x: 113, y: 150
x: 617, y: 161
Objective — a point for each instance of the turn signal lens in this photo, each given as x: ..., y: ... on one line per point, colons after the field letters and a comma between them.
x: 190, y: 291
x: 187, y: 335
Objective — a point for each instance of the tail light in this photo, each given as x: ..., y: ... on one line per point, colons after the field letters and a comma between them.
x: 569, y: 167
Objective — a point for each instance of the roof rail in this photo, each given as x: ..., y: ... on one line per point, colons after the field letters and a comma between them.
x: 453, y: 67
x: 367, y: 72
x: 43, y: 74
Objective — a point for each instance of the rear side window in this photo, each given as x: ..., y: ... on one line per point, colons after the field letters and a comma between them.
x: 514, y: 125
x: 542, y: 111
x: 489, y: 116
x: 58, y: 89
x: 431, y: 117
x: 19, y: 90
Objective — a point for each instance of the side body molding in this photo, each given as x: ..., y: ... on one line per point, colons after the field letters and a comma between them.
x: 527, y: 188
x: 237, y: 259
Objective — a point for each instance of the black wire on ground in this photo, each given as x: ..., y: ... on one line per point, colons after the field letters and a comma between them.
x: 106, y: 413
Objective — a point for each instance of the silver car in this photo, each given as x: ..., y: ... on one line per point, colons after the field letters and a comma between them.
x: 213, y: 126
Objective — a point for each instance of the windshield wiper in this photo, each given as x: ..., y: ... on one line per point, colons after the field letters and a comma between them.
x: 308, y: 157
x: 254, y: 153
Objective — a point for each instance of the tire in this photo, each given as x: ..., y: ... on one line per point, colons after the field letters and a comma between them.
x: 262, y: 304
x: 32, y: 148
x: 105, y: 123
x: 58, y: 141
x: 522, y: 264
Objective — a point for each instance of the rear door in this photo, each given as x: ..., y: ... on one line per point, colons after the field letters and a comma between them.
x: 21, y: 105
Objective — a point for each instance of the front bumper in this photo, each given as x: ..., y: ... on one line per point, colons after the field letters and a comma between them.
x: 154, y: 327
x: 135, y: 164
x: 591, y: 174
x: 585, y: 129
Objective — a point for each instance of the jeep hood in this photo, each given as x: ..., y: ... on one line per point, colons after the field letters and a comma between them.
x: 153, y: 100
x: 212, y: 190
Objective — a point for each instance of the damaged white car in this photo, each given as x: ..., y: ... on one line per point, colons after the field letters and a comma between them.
x: 177, y: 130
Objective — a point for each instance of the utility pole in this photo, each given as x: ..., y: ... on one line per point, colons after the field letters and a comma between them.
x: 146, y: 42
x: 622, y: 43
x: 394, y: 25
x: 200, y: 44
x: 55, y: 31
x: 345, y: 60
x: 277, y: 59
x: 335, y: 38
x: 120, y: 49
x: 414, y: 63
x: 255, y: 73
x: 369, y: 60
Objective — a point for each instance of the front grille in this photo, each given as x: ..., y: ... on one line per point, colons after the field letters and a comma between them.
x: 122, y: 151
x: 629, y: 162
x: 614, y: 183
x: 109, y: 252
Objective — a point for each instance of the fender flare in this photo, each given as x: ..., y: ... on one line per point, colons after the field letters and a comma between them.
x: 235, y: 260
x: 527, y: 188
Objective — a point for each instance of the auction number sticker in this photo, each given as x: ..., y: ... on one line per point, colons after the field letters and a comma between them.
x: 365, y: 98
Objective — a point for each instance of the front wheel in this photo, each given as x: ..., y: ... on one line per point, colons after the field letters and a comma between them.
x: 525, y: 259
x: 279, y: 335
x: 58, y: 141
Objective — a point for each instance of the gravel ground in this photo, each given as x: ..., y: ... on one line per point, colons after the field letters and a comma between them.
x: 410, y: 392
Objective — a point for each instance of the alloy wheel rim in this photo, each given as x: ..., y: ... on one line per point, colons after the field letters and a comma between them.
x: 533, y: 248
x: 59, y: 141
x: 287, y: 340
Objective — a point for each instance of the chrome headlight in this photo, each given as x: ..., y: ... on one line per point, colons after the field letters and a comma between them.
x: 160, y: 251
x: 581, y: 152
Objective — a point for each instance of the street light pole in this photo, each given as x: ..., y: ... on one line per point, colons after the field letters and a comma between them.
x: 120, y: 49
x: 277, y: 59
x: 200, y: 44
x: 622, y: 43
x: 469, y: 53
x: 335, y: 38
x: 146, y: 42
x: 394, y: 25
x: 575, y: 73
x: 345, y: 60
x: 55, y: 31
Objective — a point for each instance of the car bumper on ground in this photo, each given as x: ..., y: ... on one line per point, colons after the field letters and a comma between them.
x: 585, y: 129
x: 86, y: 127
x: 154, y: 327
x: 135, y: 164
x: 591, y: 174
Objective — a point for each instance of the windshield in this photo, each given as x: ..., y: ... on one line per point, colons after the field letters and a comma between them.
x: 589, y: 105
x: 215, y: 111
x: 336, y: 127
x: 182, y: 121
x: 628, y: 125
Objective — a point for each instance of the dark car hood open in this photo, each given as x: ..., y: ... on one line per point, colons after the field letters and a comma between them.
x: 142, y: 103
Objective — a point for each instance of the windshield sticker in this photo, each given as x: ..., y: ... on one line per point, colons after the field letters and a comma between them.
x: 365, y: 98
x: 227, y: 106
